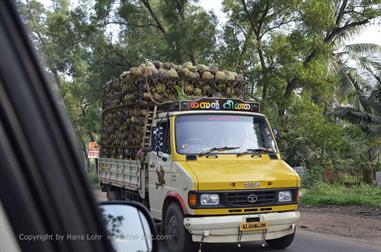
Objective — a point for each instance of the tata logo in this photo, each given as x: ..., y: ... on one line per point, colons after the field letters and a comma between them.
x: 252, y: 198
x: 251, y: 185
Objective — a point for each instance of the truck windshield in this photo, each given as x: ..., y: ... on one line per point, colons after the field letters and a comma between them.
x: 198, y: 133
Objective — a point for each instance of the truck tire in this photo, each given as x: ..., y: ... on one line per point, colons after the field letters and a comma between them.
x: 180, y: 240
x: 113, y: 195
x: 281, y: 243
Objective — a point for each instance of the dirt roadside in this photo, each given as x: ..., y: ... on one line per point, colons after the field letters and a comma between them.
x: 363, y: 223
x: 357, y: 222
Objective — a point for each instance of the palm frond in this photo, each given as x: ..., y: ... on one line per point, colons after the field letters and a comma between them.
x: 353, y: 88
x: 374, y: 131
x: 356, y: 117
x: 372, y: 62
x: 348, y: 34
x: 362, y: 49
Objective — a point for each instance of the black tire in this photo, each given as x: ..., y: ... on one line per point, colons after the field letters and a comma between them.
x: 113, y: 195
x: 281, y: 243
x: 180, y: 240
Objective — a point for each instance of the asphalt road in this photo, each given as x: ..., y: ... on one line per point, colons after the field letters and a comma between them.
x: 305, y: 241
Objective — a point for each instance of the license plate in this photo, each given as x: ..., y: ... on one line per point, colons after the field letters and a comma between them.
x: 249, y: 226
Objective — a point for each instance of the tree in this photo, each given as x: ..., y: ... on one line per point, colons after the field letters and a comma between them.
x: 292, y: 41
x: 360, y: 93
x: 79, y: 56
x: 173, y: 30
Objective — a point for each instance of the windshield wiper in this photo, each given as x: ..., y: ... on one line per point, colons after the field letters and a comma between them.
x: 256, y: 151
x: 226, y: 148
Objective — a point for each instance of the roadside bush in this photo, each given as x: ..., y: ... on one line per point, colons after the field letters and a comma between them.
x: 94, y: 180
x: 322, y: 193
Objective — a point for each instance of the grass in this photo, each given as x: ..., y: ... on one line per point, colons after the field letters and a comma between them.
x: 335, y: 194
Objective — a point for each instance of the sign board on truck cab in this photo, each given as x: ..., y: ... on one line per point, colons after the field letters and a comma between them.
x: 219, y: 104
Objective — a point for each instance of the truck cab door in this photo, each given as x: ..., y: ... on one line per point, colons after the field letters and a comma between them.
x: 159, y: 166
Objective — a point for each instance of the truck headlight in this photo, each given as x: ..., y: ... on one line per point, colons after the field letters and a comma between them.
x: 209, y: 199
x: 284, y: 196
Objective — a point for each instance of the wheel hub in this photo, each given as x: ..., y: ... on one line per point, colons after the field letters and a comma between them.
x: 173, y: 226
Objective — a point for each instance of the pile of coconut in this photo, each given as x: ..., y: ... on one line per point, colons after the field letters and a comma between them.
x: 187, y: 70
x: 129, y: 99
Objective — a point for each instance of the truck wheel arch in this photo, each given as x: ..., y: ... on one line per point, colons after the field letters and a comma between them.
x: 174, y: 197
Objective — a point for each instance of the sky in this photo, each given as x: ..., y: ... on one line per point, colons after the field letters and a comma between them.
x: 370, y: 34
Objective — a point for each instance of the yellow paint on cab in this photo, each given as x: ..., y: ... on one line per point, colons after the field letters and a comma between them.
x: 229, y: 172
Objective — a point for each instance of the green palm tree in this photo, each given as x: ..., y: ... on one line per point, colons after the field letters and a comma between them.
x: 359, y: 92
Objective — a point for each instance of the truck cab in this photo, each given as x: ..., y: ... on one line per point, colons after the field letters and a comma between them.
x: 215, y: 175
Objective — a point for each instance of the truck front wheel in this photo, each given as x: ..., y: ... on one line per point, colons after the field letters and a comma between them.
x: 282, y: 242
x: 179, y: 239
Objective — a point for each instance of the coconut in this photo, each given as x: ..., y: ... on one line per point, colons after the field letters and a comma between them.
x: 207, y: 75
x: 158, y: 64
x: 198, y: 92
x: 184, y: 72
x: 154, y: 70
x: 202, y: 68
x: 147, y: 71
x: 135, y: 71
x: 163, y: 73
x: 213, y: 69
x: 172, y: 73
x: 128, y: 100
x: 156, y: 96
x: 188, y: 88
x: 194, y: 75
x: 187, y: 65
x: 192, y: 69
x: 167, y: 65
x: 125, y: 73
x: 206, y: 88
x: 229, y: 75
x: 149, y: 64
x: 160, y: 88
x: 220, y: 75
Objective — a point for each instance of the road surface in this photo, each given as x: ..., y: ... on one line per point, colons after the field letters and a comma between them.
x: 305, y: 241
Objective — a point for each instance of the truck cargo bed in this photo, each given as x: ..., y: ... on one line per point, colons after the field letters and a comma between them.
x: 125, y: 173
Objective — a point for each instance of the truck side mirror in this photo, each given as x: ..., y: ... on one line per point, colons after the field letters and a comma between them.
x: 157, y: 140
x: 275, y: 132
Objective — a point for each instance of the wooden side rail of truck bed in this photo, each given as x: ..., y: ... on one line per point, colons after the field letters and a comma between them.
x: 124, y: 173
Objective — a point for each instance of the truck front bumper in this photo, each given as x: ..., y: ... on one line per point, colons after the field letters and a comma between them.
x: 226, y: 228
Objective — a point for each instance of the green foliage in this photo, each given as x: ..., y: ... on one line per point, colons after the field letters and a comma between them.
x: 180, y: 92
x: 318, y: 16
x: 334, y: 194
x: 94, y: 179
x: 308, y: 137
x: 287, y: 51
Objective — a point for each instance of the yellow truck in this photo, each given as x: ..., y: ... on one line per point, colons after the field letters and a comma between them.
x: 210, y: 173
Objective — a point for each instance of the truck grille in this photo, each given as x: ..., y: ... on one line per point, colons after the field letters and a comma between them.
x: 250, y: 198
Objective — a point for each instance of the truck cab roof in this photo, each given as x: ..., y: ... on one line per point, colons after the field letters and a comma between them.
x: 177, y: 113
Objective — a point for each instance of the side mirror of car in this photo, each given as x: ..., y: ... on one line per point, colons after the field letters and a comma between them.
x: 129, y: 226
